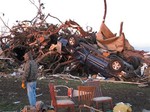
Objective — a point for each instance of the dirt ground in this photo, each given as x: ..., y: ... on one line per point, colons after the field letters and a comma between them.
x: 13, y: 98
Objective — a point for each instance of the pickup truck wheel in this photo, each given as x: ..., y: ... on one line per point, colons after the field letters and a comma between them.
x: 134, y: 61
x: 116, y: 65
x: 73, y: 41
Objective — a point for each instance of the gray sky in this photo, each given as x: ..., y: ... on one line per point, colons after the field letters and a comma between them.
x: 134, y: 14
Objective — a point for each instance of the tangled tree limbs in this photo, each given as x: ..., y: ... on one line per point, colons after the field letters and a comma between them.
x: 40, y: 37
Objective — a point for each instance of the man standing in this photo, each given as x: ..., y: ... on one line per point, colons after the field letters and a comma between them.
x: 29, y: 77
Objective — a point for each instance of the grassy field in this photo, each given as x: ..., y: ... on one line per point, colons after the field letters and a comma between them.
x: 14, y: 98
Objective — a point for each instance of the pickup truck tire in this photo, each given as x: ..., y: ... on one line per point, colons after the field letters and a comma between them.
x: 134, y: 61
x: 116, y: 65
x: 73, y: 41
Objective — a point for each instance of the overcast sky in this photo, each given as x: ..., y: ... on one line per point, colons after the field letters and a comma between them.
x: 134, y: 14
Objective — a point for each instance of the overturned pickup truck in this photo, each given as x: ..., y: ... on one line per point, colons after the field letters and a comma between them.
x: 93, y: 60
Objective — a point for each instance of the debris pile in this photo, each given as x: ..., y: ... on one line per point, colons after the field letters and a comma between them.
x: 41, y: 37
